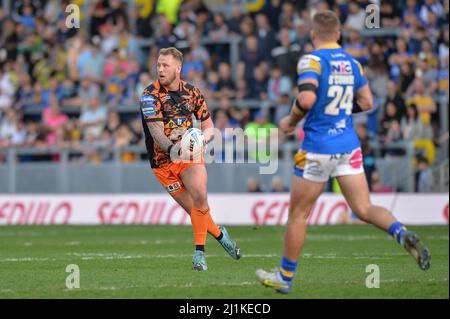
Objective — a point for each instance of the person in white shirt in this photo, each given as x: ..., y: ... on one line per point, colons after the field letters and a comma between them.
x: 93, y: 118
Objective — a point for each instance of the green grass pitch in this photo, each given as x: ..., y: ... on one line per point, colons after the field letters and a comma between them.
x: 155, y: 262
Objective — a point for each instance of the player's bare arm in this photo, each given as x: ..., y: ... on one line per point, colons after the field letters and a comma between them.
x: 364, y: 99
x: 207, y: 127
x: 303, y: 103
x: 307, y: 98
x: 157, y: 131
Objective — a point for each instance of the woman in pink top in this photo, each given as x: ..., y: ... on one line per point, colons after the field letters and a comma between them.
x: 53, y: 119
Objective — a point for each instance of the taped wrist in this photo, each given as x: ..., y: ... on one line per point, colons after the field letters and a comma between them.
x: 299, y: 107
x: 298, y: 110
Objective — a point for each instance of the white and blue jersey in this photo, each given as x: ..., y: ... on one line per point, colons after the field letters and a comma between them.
x: 329, y: 126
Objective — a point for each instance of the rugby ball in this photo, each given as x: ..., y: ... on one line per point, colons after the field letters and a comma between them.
x: 192, y: 141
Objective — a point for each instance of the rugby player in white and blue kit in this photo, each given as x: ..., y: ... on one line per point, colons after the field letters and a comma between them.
x: 331, y: 86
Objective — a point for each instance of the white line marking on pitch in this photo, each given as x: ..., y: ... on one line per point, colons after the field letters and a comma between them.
x: 187, y: 285
x: 119, y: 256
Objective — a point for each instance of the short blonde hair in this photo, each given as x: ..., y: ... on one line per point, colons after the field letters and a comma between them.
x: 177, y: 55
x: 325, y: 24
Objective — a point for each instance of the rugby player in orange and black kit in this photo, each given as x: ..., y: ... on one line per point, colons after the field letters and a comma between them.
x: 167, y: 106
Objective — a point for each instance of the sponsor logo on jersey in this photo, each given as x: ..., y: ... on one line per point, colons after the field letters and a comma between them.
x: 338, y: 55
x: 304, y: 64
x: 176, y: 122
x: 147, y: 98
x: 149, y: 110
x: 309, y: 63
x: 341, y: 68
x: 335, y: 131
x: 341, y: 124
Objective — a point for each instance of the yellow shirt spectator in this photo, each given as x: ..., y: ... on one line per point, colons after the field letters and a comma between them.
x: 170, y: 9
x: 145, y: 7
x: 425, y: 105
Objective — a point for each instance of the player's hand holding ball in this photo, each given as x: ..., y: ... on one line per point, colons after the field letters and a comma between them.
x: 193, y: 145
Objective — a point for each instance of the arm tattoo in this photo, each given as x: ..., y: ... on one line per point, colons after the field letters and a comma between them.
x: 157, y: 132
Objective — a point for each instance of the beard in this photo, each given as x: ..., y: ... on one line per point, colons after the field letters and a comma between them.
x: 168, y: 79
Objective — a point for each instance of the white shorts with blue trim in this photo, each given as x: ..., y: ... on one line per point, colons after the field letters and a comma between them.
x: 320, y: 167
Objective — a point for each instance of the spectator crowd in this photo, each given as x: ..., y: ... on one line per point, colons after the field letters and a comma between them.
x: 79, y: 87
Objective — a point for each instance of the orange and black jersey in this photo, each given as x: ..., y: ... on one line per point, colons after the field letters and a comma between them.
x: 175, y: 110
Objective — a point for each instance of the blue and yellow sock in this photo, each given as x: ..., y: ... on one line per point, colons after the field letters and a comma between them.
x: 288, y: 269
x: 396, y: 230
